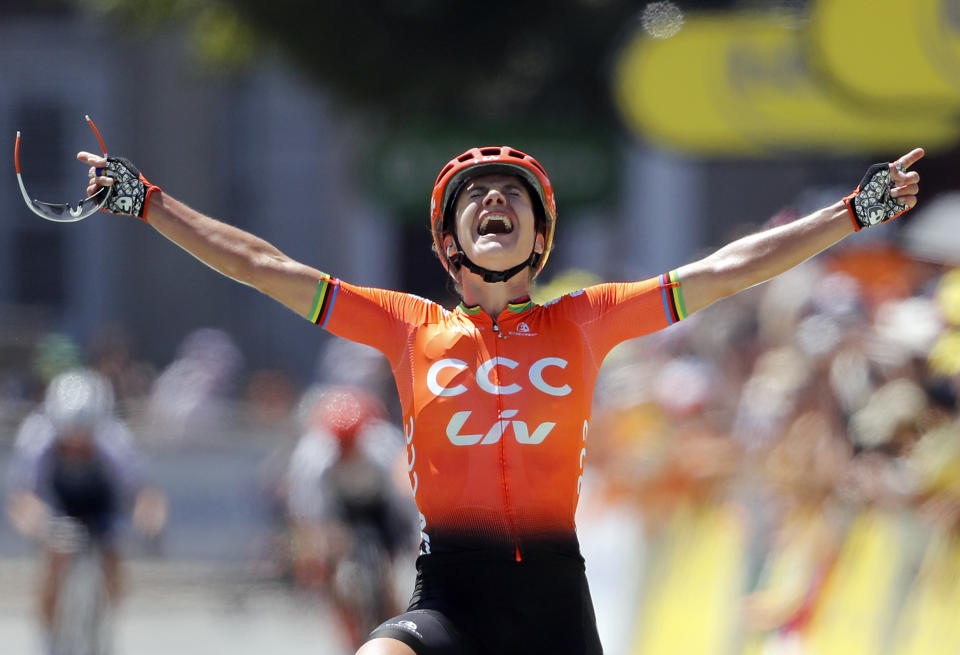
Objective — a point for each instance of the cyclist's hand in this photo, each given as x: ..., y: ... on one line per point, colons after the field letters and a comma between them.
x: 96, y: 163
x: 886, y: 191
x: 131, y: 190
x: 28, y: 515
x: 150, y: 513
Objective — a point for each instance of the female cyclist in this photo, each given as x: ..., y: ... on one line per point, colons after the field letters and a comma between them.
x: 496, y: 394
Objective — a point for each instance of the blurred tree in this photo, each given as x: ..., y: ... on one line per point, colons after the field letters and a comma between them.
x: 498, y: 61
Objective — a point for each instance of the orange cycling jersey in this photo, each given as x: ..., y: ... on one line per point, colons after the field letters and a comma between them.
x: 496, y: 411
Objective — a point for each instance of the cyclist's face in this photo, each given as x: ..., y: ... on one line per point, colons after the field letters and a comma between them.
x: 495, y: 222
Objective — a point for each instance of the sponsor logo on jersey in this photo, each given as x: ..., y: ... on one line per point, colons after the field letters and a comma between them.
x: 523, y: 330
x: 461, y: 436
x: 535, y: 375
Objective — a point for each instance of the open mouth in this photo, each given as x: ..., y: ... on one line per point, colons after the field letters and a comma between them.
x: 495, y: 224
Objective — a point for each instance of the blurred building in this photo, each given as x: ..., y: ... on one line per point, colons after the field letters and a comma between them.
x: 261, y: 149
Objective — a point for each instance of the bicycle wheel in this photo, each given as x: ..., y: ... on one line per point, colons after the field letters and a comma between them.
x: 82, y: 615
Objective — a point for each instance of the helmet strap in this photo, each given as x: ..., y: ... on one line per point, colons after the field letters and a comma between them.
x: 460, y: 258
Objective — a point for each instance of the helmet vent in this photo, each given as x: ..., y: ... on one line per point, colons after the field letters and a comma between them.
x: 446, y: 169
x: 467, y: 156
x: 490, y: 152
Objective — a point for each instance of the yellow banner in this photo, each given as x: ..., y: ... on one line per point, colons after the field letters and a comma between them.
x: 889, y: 54
x: 740, y: 85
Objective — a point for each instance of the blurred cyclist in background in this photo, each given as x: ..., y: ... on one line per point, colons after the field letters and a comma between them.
x: 73, y: 459
x: 350, y: 508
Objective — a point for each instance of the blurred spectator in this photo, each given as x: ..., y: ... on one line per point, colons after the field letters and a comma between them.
x: 53, y: 354
x: 803, y: 471
x: 191, y: 396
x: 270, y: 398
x: 843, y: 433
x: 111, y: 354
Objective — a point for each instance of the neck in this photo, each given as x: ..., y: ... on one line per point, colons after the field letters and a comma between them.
x: 493, y: 297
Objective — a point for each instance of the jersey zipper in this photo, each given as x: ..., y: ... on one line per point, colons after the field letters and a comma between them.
x: 504, y: 478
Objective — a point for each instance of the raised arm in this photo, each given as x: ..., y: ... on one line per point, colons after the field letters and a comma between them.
x: 762, y: 256
x: 227, y: 249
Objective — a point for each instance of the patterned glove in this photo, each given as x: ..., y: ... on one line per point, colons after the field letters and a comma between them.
x: 130, y: 192
x: 870, y: 203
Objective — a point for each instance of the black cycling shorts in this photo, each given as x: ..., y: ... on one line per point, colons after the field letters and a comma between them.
x: 465, y: 605
x: 87, y: 492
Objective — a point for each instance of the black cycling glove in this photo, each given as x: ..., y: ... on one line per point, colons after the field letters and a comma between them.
x: 130, y: 192
x: 871, y: 203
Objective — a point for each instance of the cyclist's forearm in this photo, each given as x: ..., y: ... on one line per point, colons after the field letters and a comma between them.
x: 235, y: 253
x: 762, y: 256
x: 886, y: 191
x: 223, y: 247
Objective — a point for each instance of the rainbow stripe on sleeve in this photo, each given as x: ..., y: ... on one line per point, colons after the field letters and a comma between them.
x: 672, y: 294
x: 324, y: 300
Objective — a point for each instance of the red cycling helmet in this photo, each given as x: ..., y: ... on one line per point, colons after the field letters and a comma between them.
x: 344, y: 412
x: 485, y: 161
